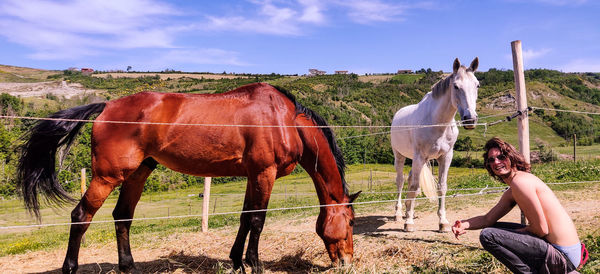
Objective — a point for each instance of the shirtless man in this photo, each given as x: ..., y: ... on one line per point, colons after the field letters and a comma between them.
x: 549, y: 243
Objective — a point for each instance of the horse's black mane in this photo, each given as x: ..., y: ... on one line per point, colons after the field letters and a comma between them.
x: 337, y: 153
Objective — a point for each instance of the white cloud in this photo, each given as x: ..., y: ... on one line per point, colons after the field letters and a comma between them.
x: 312, y: 11
x: 270, y: 19
x: 71, y: 29
x: 531, y: 54
x: 582, y: 65
x: 365, y: 12
x: 292, y: 17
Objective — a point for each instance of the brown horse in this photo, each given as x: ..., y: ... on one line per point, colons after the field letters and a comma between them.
x: 256, y: 131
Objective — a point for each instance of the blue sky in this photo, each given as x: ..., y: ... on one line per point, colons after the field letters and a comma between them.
x: 291, y: 36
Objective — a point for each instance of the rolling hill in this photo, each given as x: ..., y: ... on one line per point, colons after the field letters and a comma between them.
x: 341, y: 99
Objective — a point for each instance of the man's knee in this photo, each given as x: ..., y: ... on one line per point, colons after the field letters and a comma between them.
x: 486, y: 237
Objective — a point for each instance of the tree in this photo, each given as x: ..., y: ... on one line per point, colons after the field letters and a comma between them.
x: 128, y: 68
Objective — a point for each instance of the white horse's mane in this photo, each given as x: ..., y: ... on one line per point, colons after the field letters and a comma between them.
x: 438, y: 89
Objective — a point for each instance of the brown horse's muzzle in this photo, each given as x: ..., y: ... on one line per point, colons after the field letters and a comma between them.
x: 341, y: 259
x: 346, y: 259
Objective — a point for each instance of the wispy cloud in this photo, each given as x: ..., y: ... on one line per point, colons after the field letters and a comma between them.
x: 71, y: 29
x: 292, y: 17
x: 582, y: 65
x: 272, y: 18
x: 365, y: 12
x: 531, y: 54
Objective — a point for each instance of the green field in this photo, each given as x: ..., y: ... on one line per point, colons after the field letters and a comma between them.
x: 376, y: 182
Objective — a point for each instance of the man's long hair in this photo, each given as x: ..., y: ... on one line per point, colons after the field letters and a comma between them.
x: 516, y: 158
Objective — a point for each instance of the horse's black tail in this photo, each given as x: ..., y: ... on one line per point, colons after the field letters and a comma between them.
x: 36, y: 170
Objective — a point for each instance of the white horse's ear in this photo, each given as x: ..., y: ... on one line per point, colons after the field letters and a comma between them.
x: 474, y: 64
x: 456, y: 65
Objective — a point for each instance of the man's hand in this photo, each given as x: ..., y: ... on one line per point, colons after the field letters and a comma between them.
x: 458, y: 228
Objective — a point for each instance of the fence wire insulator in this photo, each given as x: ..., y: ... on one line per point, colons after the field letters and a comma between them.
x: 516, y: 114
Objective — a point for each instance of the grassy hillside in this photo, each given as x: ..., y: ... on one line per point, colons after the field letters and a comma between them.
x: 12, y: 74
x: 341, y: 100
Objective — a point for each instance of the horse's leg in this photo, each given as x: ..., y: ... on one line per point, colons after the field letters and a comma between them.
x: 442, y: 186
x: 131, y: 191
x: 399, y: 165
x: 261, y: 192
x: 84, y: 211
x: 257, y: 197
x: 237, y: 250
x: 417, y: 166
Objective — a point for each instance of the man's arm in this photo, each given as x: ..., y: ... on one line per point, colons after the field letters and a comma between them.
x: 503, y: 206
x: 524, y: 192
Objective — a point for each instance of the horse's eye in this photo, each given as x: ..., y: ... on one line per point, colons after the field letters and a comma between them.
x: 477, y: 85
x: 455, y: 86
x: 351, y: 222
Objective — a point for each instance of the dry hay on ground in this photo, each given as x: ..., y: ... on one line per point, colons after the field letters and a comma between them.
x: 375, y: 78
x: 291, y: 246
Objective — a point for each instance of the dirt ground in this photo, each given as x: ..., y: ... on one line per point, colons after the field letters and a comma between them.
x: 291, y: 246
x: 41, y: 89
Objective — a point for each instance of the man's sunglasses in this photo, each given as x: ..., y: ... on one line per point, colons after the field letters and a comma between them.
x: 500, y: 157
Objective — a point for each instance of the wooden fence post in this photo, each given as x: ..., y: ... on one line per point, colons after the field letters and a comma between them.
x: 521, y: 92
x: 83, y: 185
x: 205, y: 204
x: 574, y: 148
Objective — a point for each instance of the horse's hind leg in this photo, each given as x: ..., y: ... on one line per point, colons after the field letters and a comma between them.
x: 84, y: 211
x: 131, y: 191
x: 413, y: 189
x: 399, y: 165
x: 237, y: 250
x: 257, y: 197
x: 442, y: 189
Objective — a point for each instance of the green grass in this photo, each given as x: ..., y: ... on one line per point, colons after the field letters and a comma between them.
x: 508, y: 132
x: 297, y: 190
x: 407, y: 78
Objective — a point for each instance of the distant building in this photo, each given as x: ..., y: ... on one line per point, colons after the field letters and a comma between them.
x: 404, y: 71
x: 314, y: 72
x: 87, y: 71
x: 341, y: 72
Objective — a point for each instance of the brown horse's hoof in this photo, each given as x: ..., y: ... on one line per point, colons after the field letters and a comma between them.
x: 409, y: 227
x: 445, y: 228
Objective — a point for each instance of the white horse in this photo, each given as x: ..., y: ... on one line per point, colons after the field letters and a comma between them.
x: 421, y: 144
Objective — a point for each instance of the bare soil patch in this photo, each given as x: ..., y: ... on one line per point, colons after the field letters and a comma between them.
x: 41, y: 89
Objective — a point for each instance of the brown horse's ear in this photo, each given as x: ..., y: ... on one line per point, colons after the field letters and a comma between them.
x: 474, y: 64
x: 456, y: 65
x: 354, y: 196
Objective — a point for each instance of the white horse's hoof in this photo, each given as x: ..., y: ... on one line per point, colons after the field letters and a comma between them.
x: 409, y: 227
x: 445, y: 228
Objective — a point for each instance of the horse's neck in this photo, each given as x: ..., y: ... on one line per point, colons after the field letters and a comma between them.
x: 441, y: 108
